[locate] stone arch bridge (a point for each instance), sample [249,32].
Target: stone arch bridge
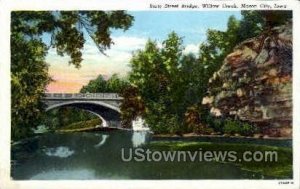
[105,105]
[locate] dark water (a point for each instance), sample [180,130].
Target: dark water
[98,156]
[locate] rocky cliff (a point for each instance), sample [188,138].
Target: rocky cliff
[255,83]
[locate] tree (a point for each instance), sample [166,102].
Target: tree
[97,85]
[156,74]
[29,71]
[220,43]
[172,85]
[194,81]
[28,78]
[114,84]
[132,105]
[251,25]
[254,23]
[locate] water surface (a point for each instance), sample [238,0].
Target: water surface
[90,155]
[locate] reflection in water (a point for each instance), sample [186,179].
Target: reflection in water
[139,138]
[61,152]
[103,140]
[81,157]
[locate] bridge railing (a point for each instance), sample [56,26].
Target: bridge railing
[82,96]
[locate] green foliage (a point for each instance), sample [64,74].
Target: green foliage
[171,85]
[164,123]
[165,83]
[157,75]
[218,45]
[193,83]
[67,28]
[231,127]
[64,116]
[82,124]
[248,130]
[132,105]
[254,23]
[114,84]
[170,82]
[218,125]
[97,85]
[28,78]
[29,71]
[251,25]
[237,127]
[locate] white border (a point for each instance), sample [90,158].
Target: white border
[6,183]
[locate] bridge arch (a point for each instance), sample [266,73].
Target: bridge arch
[61,104]
[109,114]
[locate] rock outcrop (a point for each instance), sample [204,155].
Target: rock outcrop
[255,83]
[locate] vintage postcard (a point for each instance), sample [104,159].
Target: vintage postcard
[143,94]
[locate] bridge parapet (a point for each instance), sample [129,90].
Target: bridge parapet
[99,96]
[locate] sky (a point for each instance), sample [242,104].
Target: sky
[154,25]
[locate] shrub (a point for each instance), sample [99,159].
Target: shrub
[238,127]
[231,126]
[208,119]
[175,126]
[218,125]
[247,129]
[84,124]
[158,123]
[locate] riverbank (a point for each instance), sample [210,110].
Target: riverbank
[87,129]
[191,135]
[270,141]
[280,169]
[82,125]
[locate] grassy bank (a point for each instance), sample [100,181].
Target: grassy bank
[280,169]
[78,126]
